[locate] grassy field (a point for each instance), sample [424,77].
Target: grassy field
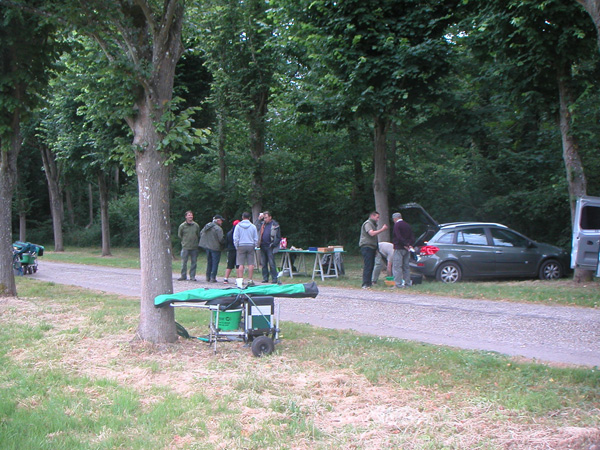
[73,376]
[561,292]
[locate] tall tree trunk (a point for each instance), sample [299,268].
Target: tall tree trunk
[90,205]
[221,145]
[156,324]
[116,182]
[593,9]
[393,158]
[22,205]
[380,184]
[104,223]
[22,227]
[9,150]
[256,122]
[56,201]
[69,202]
[358,180]
[576,180]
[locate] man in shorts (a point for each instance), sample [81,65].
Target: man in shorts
[245,239]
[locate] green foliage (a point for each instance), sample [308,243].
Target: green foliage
[124,220]
[178,133]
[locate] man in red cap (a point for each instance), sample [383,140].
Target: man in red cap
[231,251]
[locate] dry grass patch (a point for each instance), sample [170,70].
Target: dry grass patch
[281,401]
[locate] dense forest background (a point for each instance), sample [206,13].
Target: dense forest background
[277,106]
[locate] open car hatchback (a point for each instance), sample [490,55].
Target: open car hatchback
[453,251]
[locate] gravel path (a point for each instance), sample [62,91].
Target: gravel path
[559,334]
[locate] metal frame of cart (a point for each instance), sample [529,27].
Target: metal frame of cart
[259,322]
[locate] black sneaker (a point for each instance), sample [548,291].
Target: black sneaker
[251,283]
[181,279]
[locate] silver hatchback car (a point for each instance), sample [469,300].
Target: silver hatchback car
[453,251]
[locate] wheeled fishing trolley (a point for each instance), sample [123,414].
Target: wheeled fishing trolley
[25,257]
[249,315]
[253,320]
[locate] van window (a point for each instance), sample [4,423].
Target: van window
[590,218]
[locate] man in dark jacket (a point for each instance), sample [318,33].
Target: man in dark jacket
[269,236]
[403,241]
[231,257]
[212,240]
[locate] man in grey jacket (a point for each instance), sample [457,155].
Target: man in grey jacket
[245,239]
[212,240]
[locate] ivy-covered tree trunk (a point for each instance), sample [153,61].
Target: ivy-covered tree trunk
[380,184]
[56,202]
[104,221]
[576,180]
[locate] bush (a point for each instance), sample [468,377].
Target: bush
[124,221]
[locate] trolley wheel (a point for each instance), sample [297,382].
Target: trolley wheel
[262,345]
[34,269]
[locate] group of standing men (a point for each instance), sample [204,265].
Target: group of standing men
[371,249]
[241,242]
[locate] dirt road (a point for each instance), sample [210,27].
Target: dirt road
[558,334]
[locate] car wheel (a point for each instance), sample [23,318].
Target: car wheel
[551,270]
[449,273]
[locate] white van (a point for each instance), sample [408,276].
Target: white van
[586,235]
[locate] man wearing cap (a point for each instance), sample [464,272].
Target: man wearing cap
[212,240]
[189,233]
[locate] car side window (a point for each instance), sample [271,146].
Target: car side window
[506,238]
[446,238]
[471,236]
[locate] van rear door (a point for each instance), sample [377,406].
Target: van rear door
[586,234]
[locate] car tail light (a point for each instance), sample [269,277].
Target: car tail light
[429,250]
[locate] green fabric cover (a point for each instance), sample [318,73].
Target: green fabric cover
[273,290]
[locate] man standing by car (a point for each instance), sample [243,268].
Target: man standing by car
[189,233]
[269,236]
[368,246]
[212,240]
[403,240]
